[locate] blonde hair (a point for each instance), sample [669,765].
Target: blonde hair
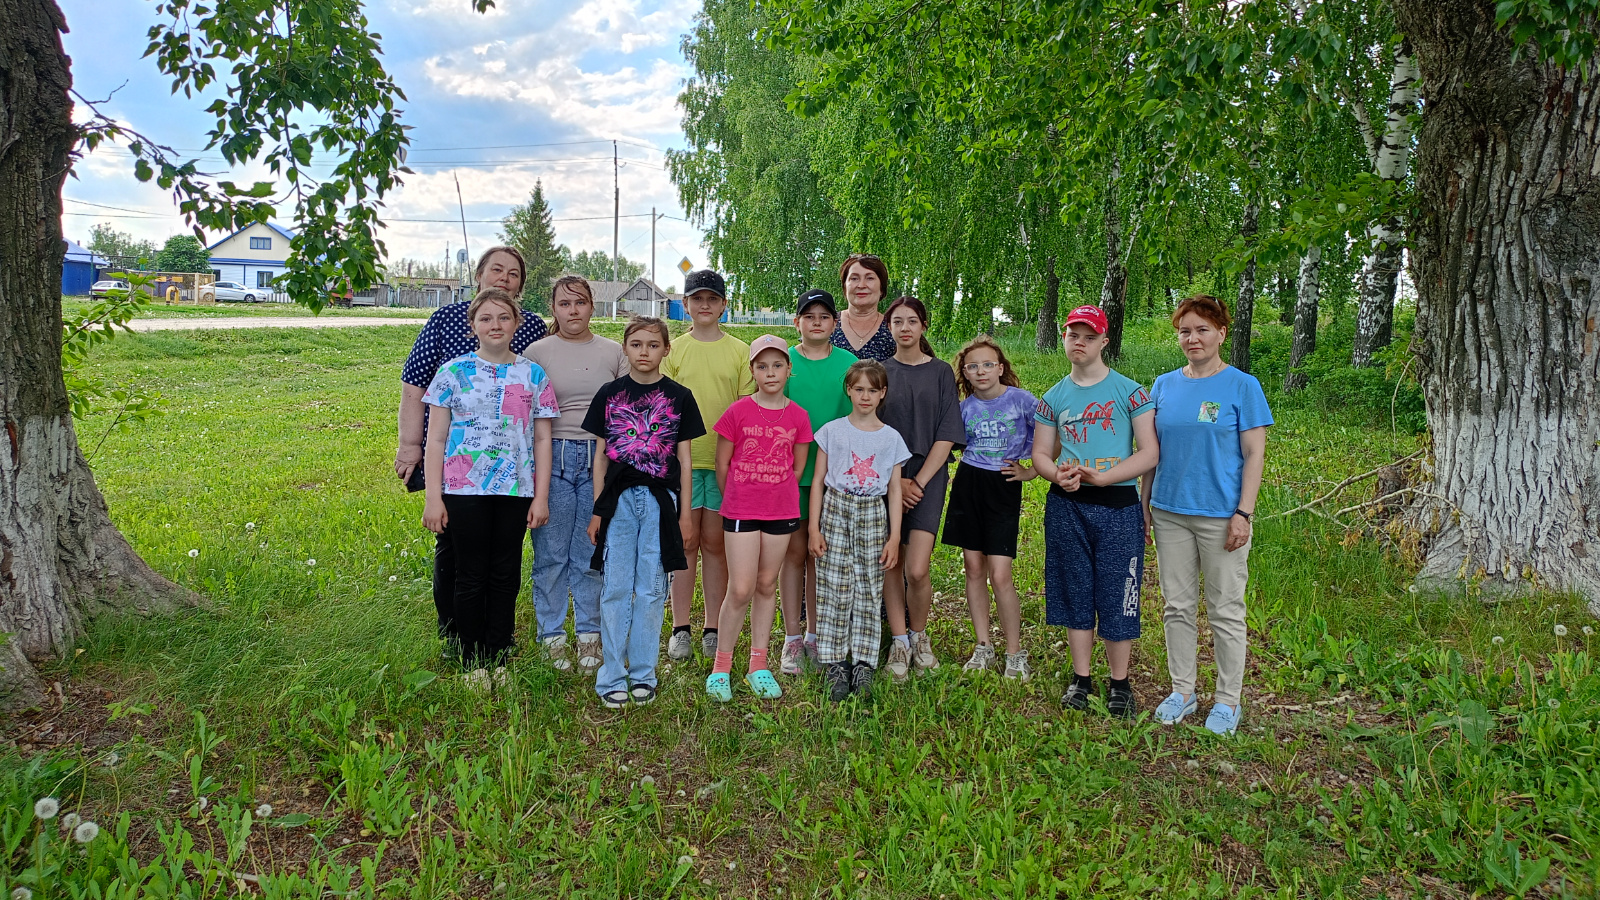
[494,295]
[1008,375]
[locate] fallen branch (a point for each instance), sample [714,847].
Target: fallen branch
[1311,506]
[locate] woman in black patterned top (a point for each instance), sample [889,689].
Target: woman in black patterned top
[862,329]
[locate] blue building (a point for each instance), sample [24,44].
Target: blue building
[80,270]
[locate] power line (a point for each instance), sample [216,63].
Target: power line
[156,214]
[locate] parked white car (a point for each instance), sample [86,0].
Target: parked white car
[229,292]
[102,288]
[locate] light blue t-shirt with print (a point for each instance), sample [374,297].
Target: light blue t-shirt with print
[998,430]
[1198,422]
[1094,423]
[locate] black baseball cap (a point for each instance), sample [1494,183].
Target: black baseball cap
[813,297]
[705,280]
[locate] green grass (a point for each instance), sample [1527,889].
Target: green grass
[1391,746]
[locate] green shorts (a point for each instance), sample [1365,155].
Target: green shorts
[706,494]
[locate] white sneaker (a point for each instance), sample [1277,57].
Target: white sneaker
[899,664]
[589,652]
[983,659]
[555,647]
[794,654]
[1017,667]
[922,653]
[680,645]
[708,645]
[501,677]
[478,680]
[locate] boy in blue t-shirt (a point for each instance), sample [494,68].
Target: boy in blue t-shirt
[1086,426]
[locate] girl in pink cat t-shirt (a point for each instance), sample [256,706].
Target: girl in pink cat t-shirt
[761,450]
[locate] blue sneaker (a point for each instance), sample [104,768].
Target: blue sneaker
[1174,708]
[763,684]
[1223,720]
[719,687]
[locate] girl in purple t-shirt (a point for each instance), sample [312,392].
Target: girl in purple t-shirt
[986,496]
[761,450]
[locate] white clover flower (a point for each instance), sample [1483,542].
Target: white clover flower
[264,810]
[311,562]
[85,832]
[70,821]
[193,553]
[249,526]
[46,807]
[22,893]
[1497,640]
[1561,630]
[394,578]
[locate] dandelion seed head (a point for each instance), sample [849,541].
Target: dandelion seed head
[264,810]
[1561,630]
[394,578]
[404,553]
[46,807]
[193,553]
[387,546]
[249,526]
[1497,640]
[22,893]
[1588,630]
[311,562]
[85,832]
[203,802]
[70,821]
[686,860]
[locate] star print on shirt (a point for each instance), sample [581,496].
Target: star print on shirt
[861,470]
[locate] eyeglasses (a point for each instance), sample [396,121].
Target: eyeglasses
[975,368]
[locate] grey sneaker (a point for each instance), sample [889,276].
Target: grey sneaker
[589,652]
[922,653]
[680,645]
[1017,667]
[794,654]
[556,648]
[899,664]
[838,681]
[708,644]
[983,659]
[861,681]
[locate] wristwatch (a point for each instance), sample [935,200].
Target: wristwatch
[1240,512]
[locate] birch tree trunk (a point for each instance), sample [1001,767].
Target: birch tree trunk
[61,560]
[1244,310]
[1114,290]
[1305,318]
[1506,259]
[1046,337]
[1380,268]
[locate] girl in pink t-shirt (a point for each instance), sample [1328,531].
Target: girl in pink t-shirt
[761,450]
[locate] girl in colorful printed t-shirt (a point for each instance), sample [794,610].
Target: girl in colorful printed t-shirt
[986,496]
[761,448]
[855,534]
[488,474]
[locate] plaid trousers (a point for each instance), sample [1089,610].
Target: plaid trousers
[849,579]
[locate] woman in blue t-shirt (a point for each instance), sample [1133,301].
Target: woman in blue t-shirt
[1211,427]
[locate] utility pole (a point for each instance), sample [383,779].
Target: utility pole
[616,213]
[653,245]
[463,207]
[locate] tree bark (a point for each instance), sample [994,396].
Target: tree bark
[1380,269]
[1046,338]
[1506,259]
[62,562]
[1244,310]
[1305,318]
[1114,290]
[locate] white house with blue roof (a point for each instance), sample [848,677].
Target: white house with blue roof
[252,256]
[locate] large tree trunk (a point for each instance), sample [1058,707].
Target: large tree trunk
[1305,318]
[1506,259]
[1380,269]
[1244,310]
[61,559]
[1046,338]
[1114,290]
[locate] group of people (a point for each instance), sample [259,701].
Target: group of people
[815,477]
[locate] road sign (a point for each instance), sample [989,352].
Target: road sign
[684,265]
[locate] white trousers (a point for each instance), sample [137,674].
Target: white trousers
[1186,548]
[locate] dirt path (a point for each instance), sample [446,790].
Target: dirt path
[266,322]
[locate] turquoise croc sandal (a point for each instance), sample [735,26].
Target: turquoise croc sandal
[719,687]
[763,684]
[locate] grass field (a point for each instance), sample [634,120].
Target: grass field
[1394,743]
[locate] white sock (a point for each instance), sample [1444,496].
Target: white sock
[903,640]
[793,638]
[912,635]
[811,637]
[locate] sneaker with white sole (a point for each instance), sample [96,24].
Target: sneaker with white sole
[708,644]
[922,653]
[983,659]
[1173,709]
[478,679]
[1223,720]
[794,655]
[1017,668]
[643,694]
[680,645]
[555,647]
[615,699]
[899,664]
[589,658]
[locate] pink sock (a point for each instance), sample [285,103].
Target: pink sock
[724,663]
[758,658]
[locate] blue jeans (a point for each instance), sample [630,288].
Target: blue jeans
[633,601]
[561,549]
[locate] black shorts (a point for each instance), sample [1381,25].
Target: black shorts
[765,526]
[985,509]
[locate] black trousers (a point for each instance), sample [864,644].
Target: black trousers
[484,538]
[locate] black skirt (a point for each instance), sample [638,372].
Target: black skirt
[984,512]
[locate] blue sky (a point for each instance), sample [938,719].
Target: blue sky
[531,72]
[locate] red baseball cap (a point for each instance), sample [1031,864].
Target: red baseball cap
[1092,316]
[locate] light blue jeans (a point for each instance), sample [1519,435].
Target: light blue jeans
[561,549]
[633,601]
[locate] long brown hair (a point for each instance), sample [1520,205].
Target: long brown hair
[920,311]
[870,263]
[575,283]
[1008,375]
